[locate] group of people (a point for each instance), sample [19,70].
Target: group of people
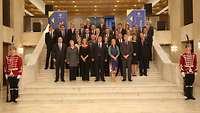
[99,51]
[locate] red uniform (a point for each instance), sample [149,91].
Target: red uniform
[14,66]
[188,63]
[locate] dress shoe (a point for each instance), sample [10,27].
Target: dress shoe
[129,80]
[62,80]
[96,80]
[124,80]
[103,80]
[56,81]
[52,68]
[45,68]
[14,101]
[192,98]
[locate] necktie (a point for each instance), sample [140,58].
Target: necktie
[60,47]
[51,35]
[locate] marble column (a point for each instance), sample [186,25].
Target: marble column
[176,22]
[17,17]
[1,46]
[196,33]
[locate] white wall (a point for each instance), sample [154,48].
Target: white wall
[163,37]
[31,38]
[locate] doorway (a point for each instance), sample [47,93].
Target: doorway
[5,53]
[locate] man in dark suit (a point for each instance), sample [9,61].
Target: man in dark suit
[92,30]
[63,33]
[121,29]
[49,40]
[59,57]
[143,53]
[108,34]
[102,25]
[71,32]
[87,34]
[81,30]
[99,56]
[126,49]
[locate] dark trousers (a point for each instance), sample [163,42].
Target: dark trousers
[73,73]
[99,62]
[126,64]
[60,67]
[143,66]
[188,84]
[13,81]
[84,70]
[120,67]
[49,50]
[106,68]
[143,71]
[92,69]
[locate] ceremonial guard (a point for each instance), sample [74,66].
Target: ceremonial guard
[188,65]
[13,72]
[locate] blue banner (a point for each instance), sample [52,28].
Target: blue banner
[136,17]
[56,18]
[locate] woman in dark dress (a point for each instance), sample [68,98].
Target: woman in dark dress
[84,60]
[135,56]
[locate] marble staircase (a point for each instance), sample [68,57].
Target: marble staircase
[142,88]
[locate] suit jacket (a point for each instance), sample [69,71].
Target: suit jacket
[71,34]
[81,32]
[143,50]
[126,49]
[123,31]
[59,55]
[49,40]
[65,37]
[99,52]
[72,56]
[102,28]
[84,36]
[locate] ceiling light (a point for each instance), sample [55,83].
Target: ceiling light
[135,5]
[75,6]
[114,9]
[73,1]
[95,6]
[118,1]
[95,9]
[77,9]
[115,5]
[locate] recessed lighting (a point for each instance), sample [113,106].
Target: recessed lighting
[77,9]
[118,1]
[73,1]
[75,6]
[135,5]
[95,6]
[95,9]
[114,9]
[55,6]
[115,5]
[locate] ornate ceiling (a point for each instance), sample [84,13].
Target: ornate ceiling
[95,7]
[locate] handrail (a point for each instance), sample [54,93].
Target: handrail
[163,55]
[169,71]
[38,49]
